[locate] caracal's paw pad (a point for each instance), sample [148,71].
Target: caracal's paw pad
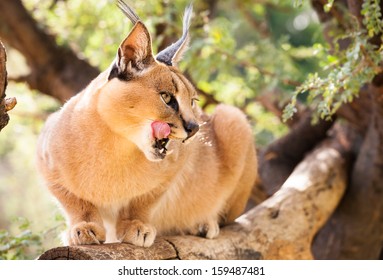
[86,233]
[136,232]
[209,230]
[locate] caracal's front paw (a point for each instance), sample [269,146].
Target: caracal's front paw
[85,233]
[136,232]
[209,230]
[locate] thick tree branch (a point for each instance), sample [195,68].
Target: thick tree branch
[55,70]
[282,227]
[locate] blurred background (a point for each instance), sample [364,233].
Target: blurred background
[251,54]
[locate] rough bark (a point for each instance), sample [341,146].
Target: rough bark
[6,104]
[55,70]
[282,227]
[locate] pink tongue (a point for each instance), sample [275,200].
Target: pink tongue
[160,129]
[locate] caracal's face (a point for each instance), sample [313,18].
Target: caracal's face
[145,98]
[160,94]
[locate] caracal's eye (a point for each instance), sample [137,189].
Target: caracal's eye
[169,100]
[166,97]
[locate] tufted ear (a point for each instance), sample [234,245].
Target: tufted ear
[134,54]
[173,54]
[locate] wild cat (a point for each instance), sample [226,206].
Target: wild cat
[132,155]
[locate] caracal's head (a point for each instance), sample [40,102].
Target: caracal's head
[146,99]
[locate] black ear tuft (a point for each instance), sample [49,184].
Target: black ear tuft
[173,54]
[128,11]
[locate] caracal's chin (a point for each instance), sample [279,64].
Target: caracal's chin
[158,149]
[153,149]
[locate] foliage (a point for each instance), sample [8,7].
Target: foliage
[372,17]
[237,59]
[350,70]
[16,247]
[25,242]
[345,69]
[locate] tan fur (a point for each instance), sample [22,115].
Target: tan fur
[95,155]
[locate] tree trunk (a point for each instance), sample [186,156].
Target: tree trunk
[356,229]
[6,104]
[282,227]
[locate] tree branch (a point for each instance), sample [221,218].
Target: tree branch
[55,70]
